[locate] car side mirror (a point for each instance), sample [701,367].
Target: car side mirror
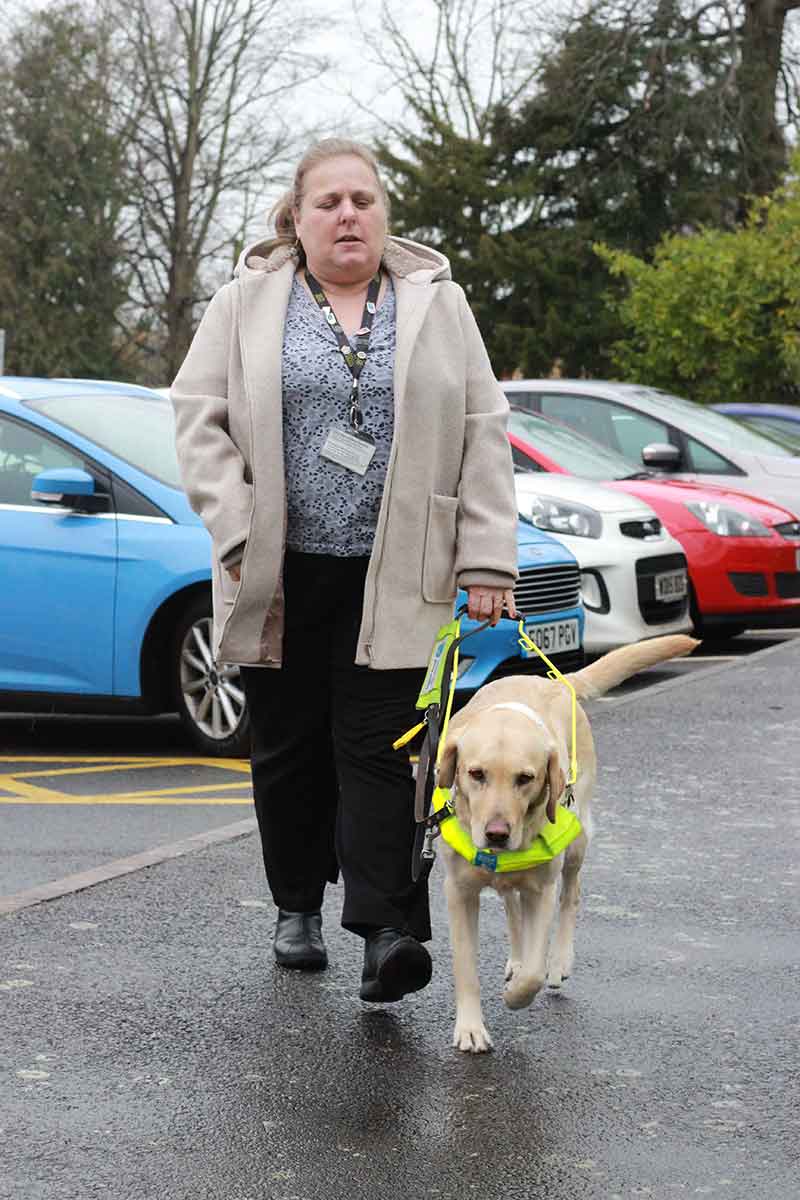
[61,485]
[662,456]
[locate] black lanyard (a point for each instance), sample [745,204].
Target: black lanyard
[355,353]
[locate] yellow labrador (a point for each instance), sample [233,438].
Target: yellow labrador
[506,756]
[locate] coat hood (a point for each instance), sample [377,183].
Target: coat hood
[410,260]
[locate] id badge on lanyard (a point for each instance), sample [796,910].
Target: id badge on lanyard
[351,448]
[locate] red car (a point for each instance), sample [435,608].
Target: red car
[743,553]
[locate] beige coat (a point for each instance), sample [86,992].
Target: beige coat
[448,511]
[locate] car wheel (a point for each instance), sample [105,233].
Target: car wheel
[210,698]
[708,630]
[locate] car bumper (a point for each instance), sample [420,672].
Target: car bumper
[624,576]
[752,579]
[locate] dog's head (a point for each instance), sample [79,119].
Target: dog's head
[507,774]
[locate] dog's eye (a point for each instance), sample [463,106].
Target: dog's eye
[477,774]
[523,779]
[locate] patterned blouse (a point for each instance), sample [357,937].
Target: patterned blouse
[332,510]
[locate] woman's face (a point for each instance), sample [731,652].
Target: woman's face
[342,220]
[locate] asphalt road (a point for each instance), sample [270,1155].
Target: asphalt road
[152,1050]
[77,792]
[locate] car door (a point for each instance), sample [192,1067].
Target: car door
[59,569]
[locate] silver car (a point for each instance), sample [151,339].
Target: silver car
[667,433]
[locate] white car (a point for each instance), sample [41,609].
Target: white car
[634,582]
[676,436]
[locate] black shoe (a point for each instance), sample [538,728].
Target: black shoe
[394,964]
[298,941]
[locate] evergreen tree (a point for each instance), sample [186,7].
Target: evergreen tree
[640,121]
[716,315]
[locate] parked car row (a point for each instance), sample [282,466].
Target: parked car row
[667,433]
[742,553]
[741,538]
[644,527]
[106,604]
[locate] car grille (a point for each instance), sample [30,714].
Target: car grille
[641,529]
[787,584]
[658,612]
[749,583]
[547,589]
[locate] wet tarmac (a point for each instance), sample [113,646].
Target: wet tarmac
[152,1050]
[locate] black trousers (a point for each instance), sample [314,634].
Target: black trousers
[330,792]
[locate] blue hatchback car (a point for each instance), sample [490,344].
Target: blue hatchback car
[105,603]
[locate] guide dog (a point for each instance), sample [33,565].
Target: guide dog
[506,758]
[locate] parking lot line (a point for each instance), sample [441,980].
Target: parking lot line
[193,796]
[127,764]
[97,758]
[124,866]
[16,787]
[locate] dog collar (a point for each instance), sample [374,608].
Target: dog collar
[553,837]
[514,706]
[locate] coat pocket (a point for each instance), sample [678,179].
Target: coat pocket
[225,588]
[438,565]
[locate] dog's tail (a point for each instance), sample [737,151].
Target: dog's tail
[613,668]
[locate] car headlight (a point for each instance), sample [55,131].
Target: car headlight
[727,522]
[564,516]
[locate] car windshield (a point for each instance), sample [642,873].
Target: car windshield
[140,429]
[718,429]
[787,433]
[570,450]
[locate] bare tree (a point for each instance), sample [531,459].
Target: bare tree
[748,71]
[765,71]
[207,86]
[477,55]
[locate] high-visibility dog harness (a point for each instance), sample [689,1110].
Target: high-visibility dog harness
[551,839]
[436,806]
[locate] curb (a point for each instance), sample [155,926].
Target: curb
[124,866]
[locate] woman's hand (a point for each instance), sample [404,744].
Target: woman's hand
[487,603]
[235,572]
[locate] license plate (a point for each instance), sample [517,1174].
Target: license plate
[671,585]
[797,559]
[553,637]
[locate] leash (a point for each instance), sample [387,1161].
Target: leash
[528,644]
[443,666]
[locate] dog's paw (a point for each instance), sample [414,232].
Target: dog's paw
[521,989]
[558,972]
[472,1037]
[511,966]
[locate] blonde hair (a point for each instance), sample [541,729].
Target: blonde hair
[282,214]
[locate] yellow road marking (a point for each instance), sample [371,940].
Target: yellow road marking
[191,788]
[29,790]
[12,758]
[23,792]
[136,798]
[229,764]
[118,759]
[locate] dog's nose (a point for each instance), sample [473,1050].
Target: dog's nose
[497,833]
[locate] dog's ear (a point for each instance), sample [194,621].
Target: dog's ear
[447,763]
[555,784]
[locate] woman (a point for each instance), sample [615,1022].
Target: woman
[342,436]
